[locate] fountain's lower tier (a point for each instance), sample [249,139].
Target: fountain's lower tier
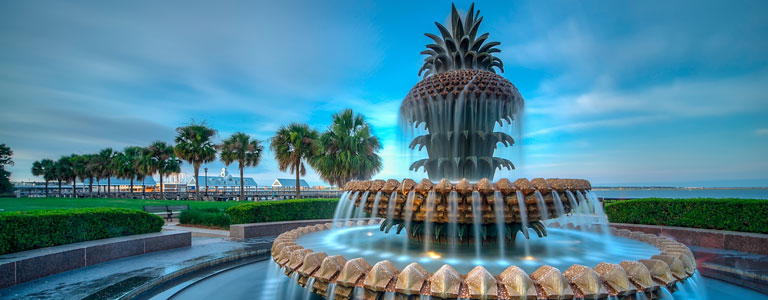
[334,261]
[629,269]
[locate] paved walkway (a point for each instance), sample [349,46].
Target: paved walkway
[111,279]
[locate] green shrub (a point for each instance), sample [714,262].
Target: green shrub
[285,210]
[216,217]
[32,229]
[746,215]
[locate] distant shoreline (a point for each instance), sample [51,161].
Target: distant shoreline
[598,188]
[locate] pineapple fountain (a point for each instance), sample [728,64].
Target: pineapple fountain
[454,235]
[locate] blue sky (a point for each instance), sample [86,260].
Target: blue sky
[617,92]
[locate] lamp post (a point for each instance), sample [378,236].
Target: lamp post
[206,181]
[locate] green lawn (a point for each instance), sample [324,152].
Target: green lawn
[15,204]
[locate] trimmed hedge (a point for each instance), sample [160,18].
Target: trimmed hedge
[216,217]
[284,210]
[746,215]
[32,229]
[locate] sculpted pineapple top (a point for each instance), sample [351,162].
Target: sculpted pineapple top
[459,103]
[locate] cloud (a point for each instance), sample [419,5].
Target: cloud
[761,131]
[571,127]
[579,48]
[685,97]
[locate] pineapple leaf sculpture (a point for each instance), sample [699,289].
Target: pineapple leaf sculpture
[459,102]
[460,48]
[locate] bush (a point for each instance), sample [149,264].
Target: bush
[32,229]
[216,217]
[285,210]
[746,215]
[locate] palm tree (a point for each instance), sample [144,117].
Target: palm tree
[127,164]
[193,144]
[163,161]
[79,170]
[291,145]
[107,157]
[46,169]
[143,169]
[64,171]
[348,150]
[60,171]
[241,148]
[94,168]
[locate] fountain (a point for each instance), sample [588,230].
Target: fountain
[455,235]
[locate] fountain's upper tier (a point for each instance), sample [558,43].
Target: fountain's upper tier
[446,202]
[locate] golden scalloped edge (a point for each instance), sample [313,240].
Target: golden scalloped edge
[411,199]
[675,263]
[465,187]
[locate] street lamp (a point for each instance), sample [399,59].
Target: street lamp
[206,181]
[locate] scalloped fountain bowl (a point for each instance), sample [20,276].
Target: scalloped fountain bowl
[573,255]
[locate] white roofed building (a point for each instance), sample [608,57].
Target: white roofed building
[223,183]
[289,183]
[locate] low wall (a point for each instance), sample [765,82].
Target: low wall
[19,267]
[728,240]
[252,230]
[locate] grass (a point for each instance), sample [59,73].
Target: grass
[18,204]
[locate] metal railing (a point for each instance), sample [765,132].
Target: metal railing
[266,194]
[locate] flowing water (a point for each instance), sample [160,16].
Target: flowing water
[498,208]
[375,208]
[523,222]
[559,208]
[431,197]
[453,215]
[360,212]
[408,217]
[308,288]
[541,205]
[477,222]
[331,291]
[341,207]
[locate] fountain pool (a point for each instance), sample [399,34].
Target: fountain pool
[560,249]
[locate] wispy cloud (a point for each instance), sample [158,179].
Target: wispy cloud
[572,127]
[761,131]
[680,98]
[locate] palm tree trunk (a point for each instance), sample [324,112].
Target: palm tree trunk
[131,187]
[74,187]
[298,164]
[241,182]
[46,189]
[109,185]
[143,188]
[90,187]
[59,188]
[98,185]
[197,181]
[162,192]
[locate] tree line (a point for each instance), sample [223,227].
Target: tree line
[346,151]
